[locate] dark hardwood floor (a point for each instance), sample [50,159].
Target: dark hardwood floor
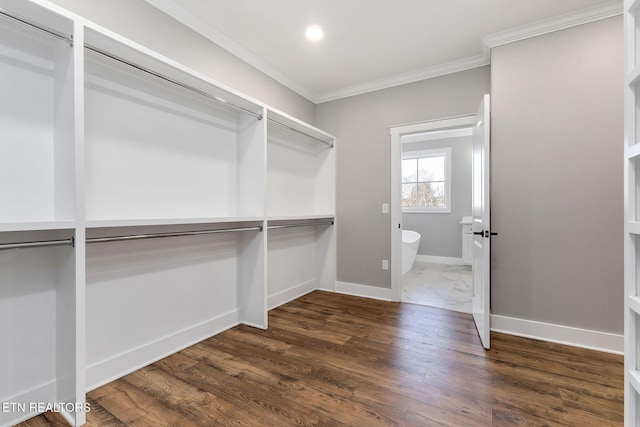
[330,359]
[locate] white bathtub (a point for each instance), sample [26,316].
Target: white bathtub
[410,243]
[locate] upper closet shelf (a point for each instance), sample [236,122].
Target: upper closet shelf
[37,225]
[299,217]
[632,5]
[168,221]
[286,121]
[38,18]
[632,77]
[105,43]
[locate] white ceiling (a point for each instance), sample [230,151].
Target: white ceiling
[373,44]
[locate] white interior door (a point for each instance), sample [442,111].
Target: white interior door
[481,263]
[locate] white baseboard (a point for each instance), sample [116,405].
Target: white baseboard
[283,297]
[576,337]
[439,259]
[366,291]
[19,410]
[110,369]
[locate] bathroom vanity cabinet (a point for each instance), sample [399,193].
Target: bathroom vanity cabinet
[467,240]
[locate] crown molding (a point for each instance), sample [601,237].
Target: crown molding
[200,26]
[402,79]
[561,22]
[538,28]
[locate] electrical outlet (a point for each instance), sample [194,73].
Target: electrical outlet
[385,264]
[385,208]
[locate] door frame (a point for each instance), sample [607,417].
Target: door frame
[397,132]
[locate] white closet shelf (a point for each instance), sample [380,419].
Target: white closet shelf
[283,119]
[634,304]
[633,151]
[300,217]
[37,225]
[633,227]
[168,221]
[633,5]
[632,77]
[634,380]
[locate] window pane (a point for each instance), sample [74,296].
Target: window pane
[431,169]
[409,195]
[431,195]
[410,170]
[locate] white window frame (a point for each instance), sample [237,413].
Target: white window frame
[433,152]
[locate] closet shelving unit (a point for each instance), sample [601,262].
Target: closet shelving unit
[632,213]
[145,207]
[300,209]
[41,351]
[174,207]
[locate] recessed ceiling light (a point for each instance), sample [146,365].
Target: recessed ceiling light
[314,32]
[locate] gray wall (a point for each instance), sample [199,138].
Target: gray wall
[557,150]
[441,232]
[144,24]
[361,124]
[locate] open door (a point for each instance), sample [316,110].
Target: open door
[481,263]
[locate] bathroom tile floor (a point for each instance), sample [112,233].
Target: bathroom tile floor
[438,285]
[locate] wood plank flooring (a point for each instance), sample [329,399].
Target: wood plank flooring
[330,359]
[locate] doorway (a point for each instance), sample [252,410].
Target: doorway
[480,216]
[434,200]
[436,136]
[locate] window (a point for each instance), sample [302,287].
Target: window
[426,181]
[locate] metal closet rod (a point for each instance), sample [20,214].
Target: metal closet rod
[64,37]
[330,144]
[175,82]
[174,234]
[39,244]
[300,224]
